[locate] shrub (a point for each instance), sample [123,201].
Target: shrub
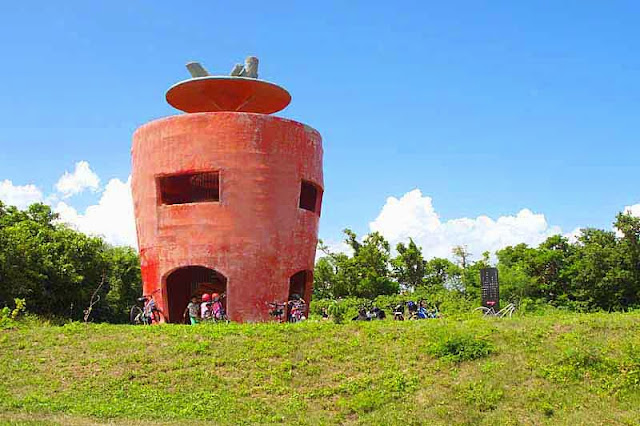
[337,311]
[21,307]
[350,305]
[8,316]
[461,347]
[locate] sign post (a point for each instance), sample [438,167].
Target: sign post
[490,288]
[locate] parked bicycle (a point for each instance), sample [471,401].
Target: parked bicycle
[296,311]
[215,311]
[147,314]
[296,308]
[489,311]
[412,308]
[369,312]
[398,312]
[276,310]
[424,313]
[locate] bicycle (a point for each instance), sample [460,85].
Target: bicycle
[507,311]
[296,313]
[147,314]
[221,314]
[424,313]
[216,312]
[277,311]
[398,312]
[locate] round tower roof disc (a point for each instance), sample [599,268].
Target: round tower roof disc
[228,93]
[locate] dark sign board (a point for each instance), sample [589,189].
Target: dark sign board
[490,288]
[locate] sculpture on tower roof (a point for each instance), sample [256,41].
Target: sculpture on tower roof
[249,69]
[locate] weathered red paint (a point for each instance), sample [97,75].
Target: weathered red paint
[256,235]
[237,94]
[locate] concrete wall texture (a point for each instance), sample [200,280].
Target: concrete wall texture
[256,237]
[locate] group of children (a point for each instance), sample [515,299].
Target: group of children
[211,308]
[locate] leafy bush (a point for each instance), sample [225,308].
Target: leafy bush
[337,311]
[21,307]
[349,305]
[9,316]
[449,302]
[5,318]
[461,347]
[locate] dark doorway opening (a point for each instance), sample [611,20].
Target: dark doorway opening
[191,281]
[300,285]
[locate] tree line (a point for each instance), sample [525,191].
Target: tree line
[600,270]
[57,269]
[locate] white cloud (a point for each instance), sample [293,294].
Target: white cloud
[573,235]
[413,215]
[634,210]
[20,196]
[74,183]
[112,218]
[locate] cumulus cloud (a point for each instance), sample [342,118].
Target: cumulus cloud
[573,235]
[74,183]
[413,215]
[634,210]
[112,218]
[20,196]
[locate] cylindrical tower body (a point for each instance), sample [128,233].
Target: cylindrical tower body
[227,202]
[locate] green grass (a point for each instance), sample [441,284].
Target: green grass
[563,369]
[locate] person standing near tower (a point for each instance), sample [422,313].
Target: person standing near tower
[193,310]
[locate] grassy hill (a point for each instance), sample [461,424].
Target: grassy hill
[561,369]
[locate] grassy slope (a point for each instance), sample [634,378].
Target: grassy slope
[570,369]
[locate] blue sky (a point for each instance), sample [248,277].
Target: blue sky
[486,107]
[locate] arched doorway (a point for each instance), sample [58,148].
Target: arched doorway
[300,283]
[191,281]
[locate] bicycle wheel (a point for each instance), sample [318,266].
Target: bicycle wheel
[156,316]
[135,315]
[507,311]
[485,311]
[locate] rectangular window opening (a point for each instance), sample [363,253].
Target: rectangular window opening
[308,196]
[200,187]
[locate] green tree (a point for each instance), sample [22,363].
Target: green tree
[324,278]
[409,265]
[371,262]
[600,280]
[629,227]
[367,273]
[442,273]
[124,283]
[540,273]
[56,269]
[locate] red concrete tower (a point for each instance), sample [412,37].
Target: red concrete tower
[227,198]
